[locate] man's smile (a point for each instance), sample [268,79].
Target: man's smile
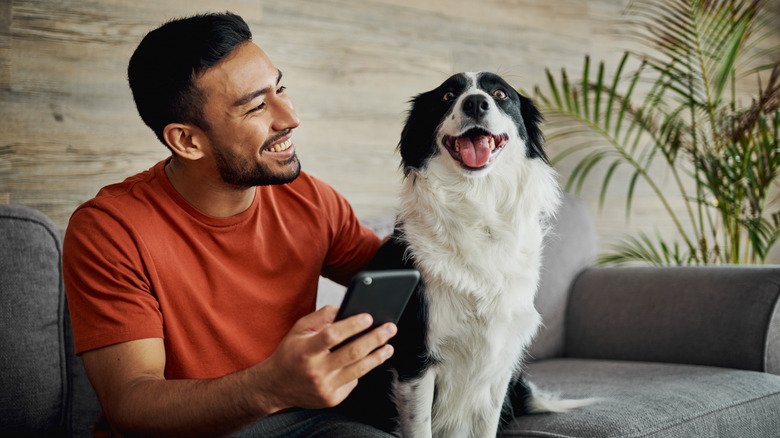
[280,144]
[279,147]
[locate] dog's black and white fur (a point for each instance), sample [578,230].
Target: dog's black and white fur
[477,196]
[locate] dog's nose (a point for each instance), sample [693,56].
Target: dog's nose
[476,106]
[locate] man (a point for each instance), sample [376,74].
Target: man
[192,285]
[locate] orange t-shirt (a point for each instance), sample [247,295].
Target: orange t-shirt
[140,262]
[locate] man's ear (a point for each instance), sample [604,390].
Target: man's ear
[186,141]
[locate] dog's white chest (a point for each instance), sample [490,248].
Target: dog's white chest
[486,317]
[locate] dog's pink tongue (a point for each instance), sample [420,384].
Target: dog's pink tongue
[475,152]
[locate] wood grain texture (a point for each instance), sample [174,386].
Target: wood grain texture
[68,125]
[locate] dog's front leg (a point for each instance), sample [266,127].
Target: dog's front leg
[490,422]
[414,400]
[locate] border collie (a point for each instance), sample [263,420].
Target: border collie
[477,196]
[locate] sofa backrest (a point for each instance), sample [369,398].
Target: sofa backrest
[570,247]
[33,365]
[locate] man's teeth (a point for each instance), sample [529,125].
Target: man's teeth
[281,146]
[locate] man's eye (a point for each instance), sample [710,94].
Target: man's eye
[281,89]
[257,108]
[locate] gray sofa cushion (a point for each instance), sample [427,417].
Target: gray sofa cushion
[34,378]
[642,399]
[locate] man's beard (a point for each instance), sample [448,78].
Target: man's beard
[240,172]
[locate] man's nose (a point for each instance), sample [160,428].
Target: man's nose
[285,116]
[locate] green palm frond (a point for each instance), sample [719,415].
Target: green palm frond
[686,119]
[627,134]
[643,248]
[701,40]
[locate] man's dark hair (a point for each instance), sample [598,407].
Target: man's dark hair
[163,69]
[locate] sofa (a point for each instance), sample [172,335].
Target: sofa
[668,351]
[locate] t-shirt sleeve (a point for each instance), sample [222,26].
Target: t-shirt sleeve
[352,245]
[109,293]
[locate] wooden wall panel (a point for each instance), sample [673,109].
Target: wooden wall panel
[68,125]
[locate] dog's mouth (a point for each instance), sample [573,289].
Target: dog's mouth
[475,147]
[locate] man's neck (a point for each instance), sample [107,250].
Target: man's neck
[212,197]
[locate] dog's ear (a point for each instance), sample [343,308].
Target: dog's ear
[532,118]
[418,140]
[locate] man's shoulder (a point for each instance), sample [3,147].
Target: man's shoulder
[126,187]
[130,197]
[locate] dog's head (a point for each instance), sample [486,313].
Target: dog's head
[469,122]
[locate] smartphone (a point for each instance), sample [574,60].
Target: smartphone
[382,294]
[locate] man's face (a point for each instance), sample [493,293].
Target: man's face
[251,119]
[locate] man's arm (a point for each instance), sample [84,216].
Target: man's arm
[303,372]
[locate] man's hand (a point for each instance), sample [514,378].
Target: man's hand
[307,374]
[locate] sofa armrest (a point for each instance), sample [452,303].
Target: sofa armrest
[724,316]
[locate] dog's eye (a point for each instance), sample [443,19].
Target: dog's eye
[499,93]
[448,96]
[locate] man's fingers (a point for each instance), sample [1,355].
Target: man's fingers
[364,350]
[356,370]
[365,344]
[346,379]
[340,331]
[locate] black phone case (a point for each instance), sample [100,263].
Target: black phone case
[383,294]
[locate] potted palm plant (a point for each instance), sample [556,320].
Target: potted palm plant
[674,104]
